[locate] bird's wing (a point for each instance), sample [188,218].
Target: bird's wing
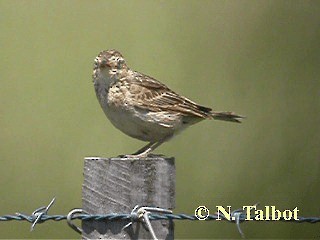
[148,93]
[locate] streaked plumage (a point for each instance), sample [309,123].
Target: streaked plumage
[142,107]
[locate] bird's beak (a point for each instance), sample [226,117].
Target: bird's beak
[104,63]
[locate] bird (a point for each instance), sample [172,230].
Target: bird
[143,107]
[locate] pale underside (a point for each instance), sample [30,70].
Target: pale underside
[148,110]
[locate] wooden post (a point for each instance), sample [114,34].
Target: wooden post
[117,185]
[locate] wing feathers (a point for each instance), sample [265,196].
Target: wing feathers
[155,96]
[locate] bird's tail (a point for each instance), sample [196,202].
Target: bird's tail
[227,116]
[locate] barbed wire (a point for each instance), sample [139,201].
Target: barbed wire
[127,216]
[41,215]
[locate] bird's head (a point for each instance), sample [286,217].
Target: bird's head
[111,59]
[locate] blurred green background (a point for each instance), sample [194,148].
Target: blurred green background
[257,58]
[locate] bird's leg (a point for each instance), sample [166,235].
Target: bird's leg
[143,152]
[144,148]
[149,149]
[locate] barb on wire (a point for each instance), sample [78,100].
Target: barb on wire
[133,217]
[237,214]
[139,213]
[37,214]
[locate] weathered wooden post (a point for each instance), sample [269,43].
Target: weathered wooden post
[117,185]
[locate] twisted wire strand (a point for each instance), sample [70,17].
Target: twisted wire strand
[127,216]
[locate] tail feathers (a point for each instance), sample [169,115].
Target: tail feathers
[227,116]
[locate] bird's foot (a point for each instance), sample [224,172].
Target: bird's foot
[141,155]
[147,155]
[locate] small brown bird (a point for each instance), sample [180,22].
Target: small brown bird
[142,107]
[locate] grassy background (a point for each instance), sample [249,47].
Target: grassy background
[257,58]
